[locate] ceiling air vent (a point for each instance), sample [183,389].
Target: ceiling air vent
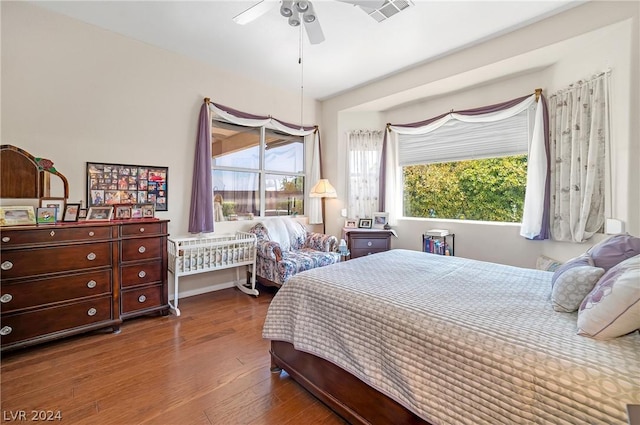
[388,9]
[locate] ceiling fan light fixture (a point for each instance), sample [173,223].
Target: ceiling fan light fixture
[294,21]
[286,9]
[309,17]
[302,6]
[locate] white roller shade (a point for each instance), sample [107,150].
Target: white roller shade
[458,140]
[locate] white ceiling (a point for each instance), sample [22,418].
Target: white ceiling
[357,49]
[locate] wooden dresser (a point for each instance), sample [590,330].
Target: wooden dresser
[64,279]
[367,242]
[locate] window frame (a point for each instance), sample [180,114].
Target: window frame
[261,171]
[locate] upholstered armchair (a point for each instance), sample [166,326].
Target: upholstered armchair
[285,247]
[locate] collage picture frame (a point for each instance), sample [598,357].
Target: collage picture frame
[114,184]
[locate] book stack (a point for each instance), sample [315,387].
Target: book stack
[435,242]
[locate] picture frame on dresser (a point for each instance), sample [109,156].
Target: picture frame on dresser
[46,215]
[364,223]
[351,223]
[380,219]
[57,203]
[148,211]
[17,215]
[101,213]
[71,212]
[122,212]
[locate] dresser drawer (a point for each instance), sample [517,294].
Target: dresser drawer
[17,296]
[54,234]
[141,249]
[37,261]
[141,229]
[143,273]
[22,326]
[370,243]
[142,299]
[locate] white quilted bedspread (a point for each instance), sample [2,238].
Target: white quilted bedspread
[458,341]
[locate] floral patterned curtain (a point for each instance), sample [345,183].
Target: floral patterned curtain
[364,150]
[579,135]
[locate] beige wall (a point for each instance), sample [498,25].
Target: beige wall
[73,93]
[550,54]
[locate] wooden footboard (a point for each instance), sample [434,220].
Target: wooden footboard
[345,394]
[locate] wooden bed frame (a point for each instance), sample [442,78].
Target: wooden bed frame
[345,394]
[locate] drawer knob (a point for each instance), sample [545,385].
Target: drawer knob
[6,298]
[369,243]
[142,299]
[52,233]
[142,274]
[142,230]
[91,284]
[6,330]
[91,256]
[92,311]
[6,239]
[142,249]
[91,234]
[6,265]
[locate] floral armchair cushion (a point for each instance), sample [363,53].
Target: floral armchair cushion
[295,250]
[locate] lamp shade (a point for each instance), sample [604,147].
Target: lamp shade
[323,189]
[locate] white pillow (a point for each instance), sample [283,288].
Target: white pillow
[612,308]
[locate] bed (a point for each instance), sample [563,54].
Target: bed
[408,337]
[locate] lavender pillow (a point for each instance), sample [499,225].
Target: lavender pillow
[612,308]
[614,250]
[583,260]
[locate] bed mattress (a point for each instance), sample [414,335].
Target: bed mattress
[457,341]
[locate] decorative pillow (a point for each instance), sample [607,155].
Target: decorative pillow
[547,264]
[612,308]
[614,250]
[583,260]
[572,286]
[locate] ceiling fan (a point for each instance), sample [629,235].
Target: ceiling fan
[302,11]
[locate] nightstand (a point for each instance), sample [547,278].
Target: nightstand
[367,242]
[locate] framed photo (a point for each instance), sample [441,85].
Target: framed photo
[364,223]
[82,214]
[17,216]
[71,212]
[148,211]
[58,203]
[380,219]
[123,212]
[113,184]
[136,211]
[350,223]
[46,215]
[102,213]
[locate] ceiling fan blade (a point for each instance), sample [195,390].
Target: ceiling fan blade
[314,32]
[254,12]
[371,4]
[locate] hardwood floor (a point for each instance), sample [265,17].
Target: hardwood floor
[208,366]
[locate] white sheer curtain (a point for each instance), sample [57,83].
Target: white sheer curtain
[364,151]
[579,133]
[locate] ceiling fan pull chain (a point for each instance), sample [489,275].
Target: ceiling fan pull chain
[301,62]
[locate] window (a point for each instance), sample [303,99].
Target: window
[364,150]
[257,171]
[467,170]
